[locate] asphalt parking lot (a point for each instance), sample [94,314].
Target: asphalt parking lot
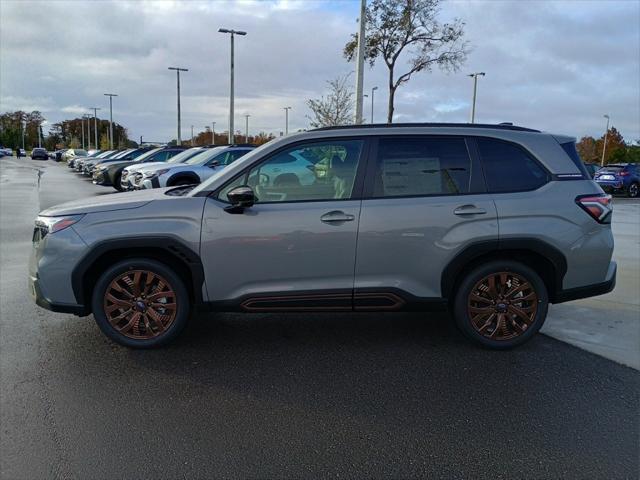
[289,396]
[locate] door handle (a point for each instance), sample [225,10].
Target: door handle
[469,210]
[337,216]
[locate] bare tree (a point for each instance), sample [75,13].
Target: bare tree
[397,26]
[336,108]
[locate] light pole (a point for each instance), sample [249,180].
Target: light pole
[213,133]
[360,64]
[246,128]
[231,99]
[81,128]
[286,120]
[373,90]
[475,89]
[192,135]
[110,95]
[95,125]
[178,70]
[606,134]
[24,127]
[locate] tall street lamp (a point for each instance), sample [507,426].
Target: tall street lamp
[373,90]
[192,135]
[286,120]
[213,133]
[246,128]
[95,125]
[475,89]
[178,70]
[81,128]
[87,117]
[231,99]
[360,64]
[606,134]
[110,95]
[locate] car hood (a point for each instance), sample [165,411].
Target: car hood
[136,167]
[106,203]
[152,167]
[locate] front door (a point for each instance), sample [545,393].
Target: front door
[295,248]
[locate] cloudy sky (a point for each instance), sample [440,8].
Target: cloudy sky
[554,65]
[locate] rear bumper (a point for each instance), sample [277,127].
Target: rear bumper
[587,291]
[610,184]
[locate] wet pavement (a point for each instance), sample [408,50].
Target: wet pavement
[289,396]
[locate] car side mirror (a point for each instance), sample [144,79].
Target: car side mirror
[240,197]
[214,164]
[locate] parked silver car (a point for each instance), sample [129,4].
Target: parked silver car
[492,222]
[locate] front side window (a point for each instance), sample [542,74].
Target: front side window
[314,171]
[417,166]
[508,168]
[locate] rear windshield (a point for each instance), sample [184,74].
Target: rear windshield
[570,149]
[613,168]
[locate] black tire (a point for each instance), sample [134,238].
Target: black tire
[634,190]
[463,303]
[116,182]
[174,282]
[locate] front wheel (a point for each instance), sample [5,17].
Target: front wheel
[634,190]
[501,304]
[140,303]
[117,183]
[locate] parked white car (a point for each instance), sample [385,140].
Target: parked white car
[74,152]
[129,173]
[193,171]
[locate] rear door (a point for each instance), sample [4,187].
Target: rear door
[424,202]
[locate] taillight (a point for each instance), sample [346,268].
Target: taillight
[598,206]
[623,174]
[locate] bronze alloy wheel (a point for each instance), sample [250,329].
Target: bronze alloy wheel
[140,304]
[502,305]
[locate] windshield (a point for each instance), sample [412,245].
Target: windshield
[80,153]
[187,154]
[147,154]
[205,156]
[233,168]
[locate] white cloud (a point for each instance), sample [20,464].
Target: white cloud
[552,65]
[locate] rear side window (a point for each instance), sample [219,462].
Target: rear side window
[508,168]
[420,166]
[570,149]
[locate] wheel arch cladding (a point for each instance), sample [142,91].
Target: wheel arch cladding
[176,177]
[544,259]
[166,250]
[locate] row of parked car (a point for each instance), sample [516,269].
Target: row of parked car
[140,168]
[147,167]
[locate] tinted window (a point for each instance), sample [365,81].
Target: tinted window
[315,171]
[508,168]
[570,149]
[422,166]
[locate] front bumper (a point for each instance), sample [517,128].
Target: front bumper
[101,178]
[587,291]
[42,301]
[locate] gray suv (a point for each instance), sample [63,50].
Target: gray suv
[492,222]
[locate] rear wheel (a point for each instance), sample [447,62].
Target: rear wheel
[140,303]
[634,190]
[501,304]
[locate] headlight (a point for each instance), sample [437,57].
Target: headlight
[157,173]
[102,168]
[55,224]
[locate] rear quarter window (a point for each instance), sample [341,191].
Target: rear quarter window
[508,168]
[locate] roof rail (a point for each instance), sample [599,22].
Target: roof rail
[500,126]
